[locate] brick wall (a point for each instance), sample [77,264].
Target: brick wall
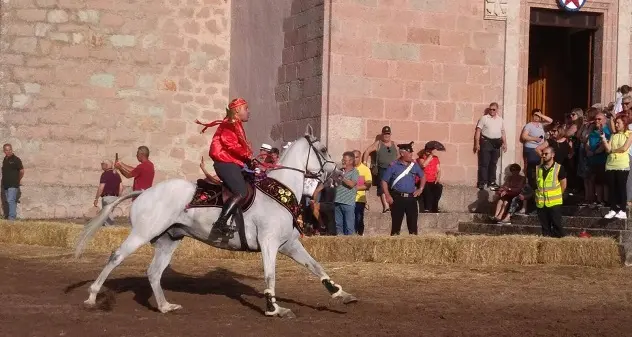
[426,68]
[299,90]
[84,79]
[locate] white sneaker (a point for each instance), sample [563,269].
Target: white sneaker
[621,215]
[610,215]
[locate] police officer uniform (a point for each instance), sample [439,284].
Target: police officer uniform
[401,189]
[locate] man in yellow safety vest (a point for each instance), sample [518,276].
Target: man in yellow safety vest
[551,183]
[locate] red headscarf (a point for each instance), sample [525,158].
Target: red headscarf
[234,104]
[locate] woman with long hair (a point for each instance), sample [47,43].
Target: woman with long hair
[559,143]
[617,166]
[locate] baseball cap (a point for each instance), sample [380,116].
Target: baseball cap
[266,147]
[386,130]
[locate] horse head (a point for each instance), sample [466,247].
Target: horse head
[309,155]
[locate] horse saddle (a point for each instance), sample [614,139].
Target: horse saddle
[208,194]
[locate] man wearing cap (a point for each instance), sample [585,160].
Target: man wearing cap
[110,188]
[400,190]
[385,154]
[273,157]
[264,151]
[230,151]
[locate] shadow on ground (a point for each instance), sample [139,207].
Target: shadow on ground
[219,281]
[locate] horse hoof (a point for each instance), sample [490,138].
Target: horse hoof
[281,312]
[348,299]
[89,304]
[286,313]
[169,307]
[345,297]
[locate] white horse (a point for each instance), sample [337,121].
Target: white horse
[159,216]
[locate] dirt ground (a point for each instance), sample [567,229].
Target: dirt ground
[43,289]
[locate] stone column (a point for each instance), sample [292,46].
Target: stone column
[510,82]
[623,43]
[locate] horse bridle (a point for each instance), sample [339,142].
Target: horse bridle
[322,161]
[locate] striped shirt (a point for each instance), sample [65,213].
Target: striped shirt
[344,194]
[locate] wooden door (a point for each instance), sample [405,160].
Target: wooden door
[536,91]
[580,62]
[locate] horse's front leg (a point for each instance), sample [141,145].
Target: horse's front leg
[269,249]
[295,250]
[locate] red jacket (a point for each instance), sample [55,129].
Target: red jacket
[229,144]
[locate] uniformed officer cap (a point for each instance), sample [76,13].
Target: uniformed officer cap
[406,147]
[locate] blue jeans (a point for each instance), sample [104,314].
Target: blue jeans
[359,217]
[345,219]
[11,195]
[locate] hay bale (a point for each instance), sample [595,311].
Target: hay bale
[478,250]
[594,252]
[496,250]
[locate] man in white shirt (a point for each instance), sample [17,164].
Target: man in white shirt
[489,138]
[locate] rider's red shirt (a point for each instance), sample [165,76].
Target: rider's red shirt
[229,144]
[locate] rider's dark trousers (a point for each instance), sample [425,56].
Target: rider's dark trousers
[231,176]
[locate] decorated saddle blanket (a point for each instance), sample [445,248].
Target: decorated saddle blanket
[208,194]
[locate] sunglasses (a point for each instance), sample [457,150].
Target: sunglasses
[492,109]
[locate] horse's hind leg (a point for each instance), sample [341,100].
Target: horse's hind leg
[128,246]
[164,247]
[295,250]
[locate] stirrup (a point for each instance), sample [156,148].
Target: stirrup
[223,227]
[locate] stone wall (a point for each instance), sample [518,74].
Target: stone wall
[82,80]
[257,43]
[426,68]
[299,90]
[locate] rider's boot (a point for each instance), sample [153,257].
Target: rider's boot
[221,225]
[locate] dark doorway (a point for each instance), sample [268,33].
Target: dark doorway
[564,60]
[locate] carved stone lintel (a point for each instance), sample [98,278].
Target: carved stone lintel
[496,9]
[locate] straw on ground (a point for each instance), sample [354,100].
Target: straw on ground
[477,250]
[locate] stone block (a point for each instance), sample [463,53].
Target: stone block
[17,29]
[59,37]
[27,45]
[91,104]
[20,101]
[146,82]
[123,40]
[102,80]
[46,3]
[157,111]
[150,41]
[57,16]
[32,88]
[395,51]
[31,15]
[77,38]
[42,29]
[89,16]
[112,20]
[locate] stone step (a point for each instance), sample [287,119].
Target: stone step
[377,223]
[577,210]
[573,222]
[513,229]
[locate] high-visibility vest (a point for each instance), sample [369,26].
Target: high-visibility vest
[549,191]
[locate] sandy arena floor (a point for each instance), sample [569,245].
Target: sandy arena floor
[42,291]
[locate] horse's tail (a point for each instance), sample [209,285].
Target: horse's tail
[97,222]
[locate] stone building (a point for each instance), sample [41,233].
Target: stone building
[82,80]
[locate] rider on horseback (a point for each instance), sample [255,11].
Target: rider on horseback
[230,151]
